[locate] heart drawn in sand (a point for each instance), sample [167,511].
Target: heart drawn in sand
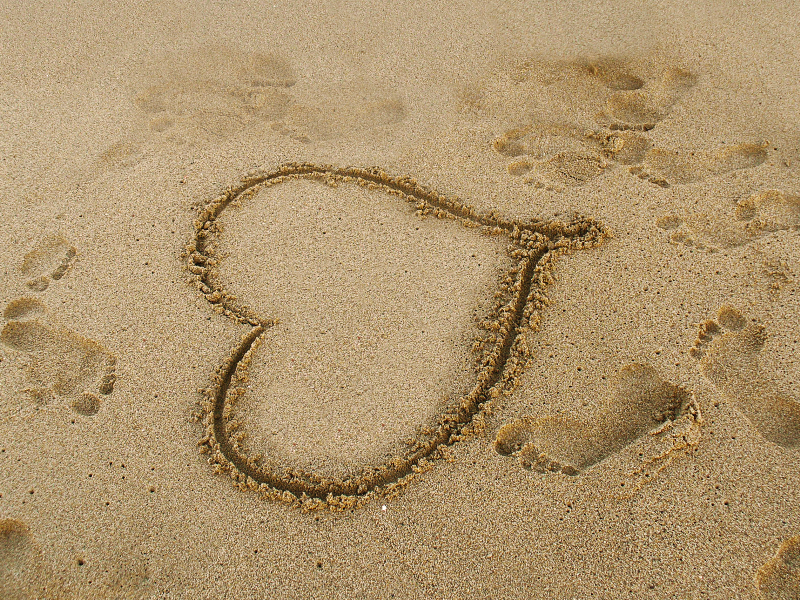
[500,350]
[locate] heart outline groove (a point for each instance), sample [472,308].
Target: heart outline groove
[502,351]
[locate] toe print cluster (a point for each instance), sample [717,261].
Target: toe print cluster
[59,362]
[500,349]
[48,261]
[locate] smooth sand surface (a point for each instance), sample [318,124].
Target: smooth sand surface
[539,343]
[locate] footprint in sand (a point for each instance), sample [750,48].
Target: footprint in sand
[61,362]
[641,108]
[642,403]
[779,577]
[558,155]
[669,167]
[49,261]
[769,211]
[560,144]
[213,93]
[340,111]
[729,348]
[23,572]
[758,215]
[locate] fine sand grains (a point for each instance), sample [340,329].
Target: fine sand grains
[23,571]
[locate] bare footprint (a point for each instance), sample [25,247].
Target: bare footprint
[211,92]
[641,109]
[642,403]
[730,361]
[563,169]
[122,154]
[542,139]
[560,105]
[23,572]
[779,577]
[617,93]
[339,111]
[49,260]
[769,211]
[215,92]
[758,215]
[561,154]
[671,167]
[62,362]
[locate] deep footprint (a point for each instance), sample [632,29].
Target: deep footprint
[779,577]
[62,362]
[642,402]
[730,361]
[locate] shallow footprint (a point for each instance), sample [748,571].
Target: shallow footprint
[213,92]
[339,111]
[23,573]
[557,103]
[760,214]
[563,169]
[704,231]
[50,259]
[565,154]
[779,577]
[629,110]
[769,211]
[62,362]
[642,402]
[552,154]
[730,361]
[542,139]
[642,109]
[668,167]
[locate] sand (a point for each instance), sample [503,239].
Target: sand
[473,300]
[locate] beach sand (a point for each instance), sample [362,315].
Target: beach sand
[363,300]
